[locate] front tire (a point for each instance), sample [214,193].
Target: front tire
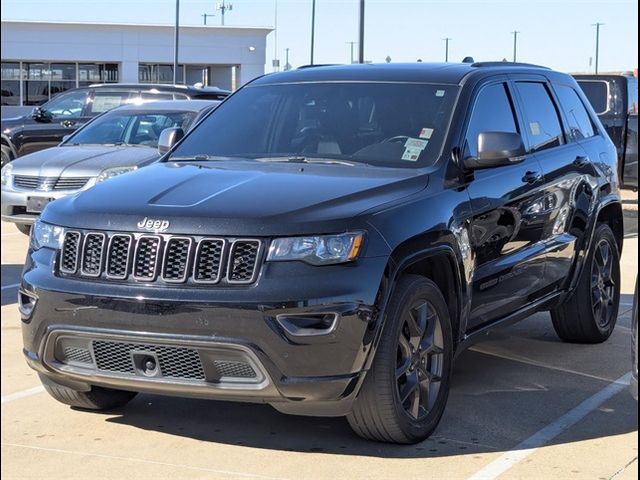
[405,392]
[96,399]
[590,314]
[7,156]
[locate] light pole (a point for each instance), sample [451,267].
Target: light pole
[287,65]
[361,34]
[597,25]
[175,43]
[515,45]
[223,7]
[313,28]
[446,48]
[352,44]
[276,62]
[205,16]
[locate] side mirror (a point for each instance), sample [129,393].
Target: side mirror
[39,114]
[496,149]
[168,138]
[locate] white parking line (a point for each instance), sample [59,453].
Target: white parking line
[11,233]
[7,287]
[548,433]
[142,460]
[22,394]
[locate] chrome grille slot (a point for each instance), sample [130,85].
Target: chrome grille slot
[118,255]
[70,183]
[93,254]
[243,260]
[174,362]
[176,259]
[208,260]
[70,252]
[145,261]
[26,181]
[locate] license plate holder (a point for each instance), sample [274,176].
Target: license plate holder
[37,204]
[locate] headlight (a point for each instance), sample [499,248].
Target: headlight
[45,235]
[113,172]
[317,250]
[5,174]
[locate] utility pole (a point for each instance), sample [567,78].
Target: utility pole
[276,62]
[205,16]
[175,43]
[313,27]
[287,65]
[597,25]
[352,45]
[223,7]
[446,48]
[515,45]
[361,34]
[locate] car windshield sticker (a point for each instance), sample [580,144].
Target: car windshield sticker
[415,143]
[535,128]
[426,133]
[411,154]
[439,93]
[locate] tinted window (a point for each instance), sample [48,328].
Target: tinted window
[598,94]
[580,125]
[541,118]
[396,125]
[492,112]
[67,105]
[132,128]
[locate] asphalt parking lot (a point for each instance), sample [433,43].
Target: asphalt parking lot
[523,405]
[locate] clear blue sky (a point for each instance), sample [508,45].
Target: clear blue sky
[558,33]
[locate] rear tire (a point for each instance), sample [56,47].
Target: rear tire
[405,392]
[96,399]
[23,228]
[590,314]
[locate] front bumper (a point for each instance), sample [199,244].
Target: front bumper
[14,203]
[314,373]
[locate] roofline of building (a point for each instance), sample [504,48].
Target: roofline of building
[142,25]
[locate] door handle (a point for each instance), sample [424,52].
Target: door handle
[581,161]
[532,177]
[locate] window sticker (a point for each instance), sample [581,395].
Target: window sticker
[104,103]
[535,128]
[411,154]
[439,93]
[416,143]
[426,133]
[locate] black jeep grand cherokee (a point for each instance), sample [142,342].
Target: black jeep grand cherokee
[326,241]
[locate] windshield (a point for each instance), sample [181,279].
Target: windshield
[382,124]
[130,128]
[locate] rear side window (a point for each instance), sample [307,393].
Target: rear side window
[492,112]
[632,92]
[541,118]
[580,124]
[597,92]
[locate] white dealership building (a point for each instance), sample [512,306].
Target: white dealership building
[41,59]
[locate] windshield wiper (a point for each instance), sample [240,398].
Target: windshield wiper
[203,157]
[193,158]
[300,159]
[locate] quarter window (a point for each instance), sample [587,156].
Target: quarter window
[580,124]
[541,118]
[492,112]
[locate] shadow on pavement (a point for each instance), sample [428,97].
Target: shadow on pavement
[494,405]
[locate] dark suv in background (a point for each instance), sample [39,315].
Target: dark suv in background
[47,124]
[327,240]
[614,98]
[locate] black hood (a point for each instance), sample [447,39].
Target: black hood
[237,198]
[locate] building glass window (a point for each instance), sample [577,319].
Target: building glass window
[89,73]
[159,73]
[10,78]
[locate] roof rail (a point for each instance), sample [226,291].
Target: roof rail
[314,65]
[505,64]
